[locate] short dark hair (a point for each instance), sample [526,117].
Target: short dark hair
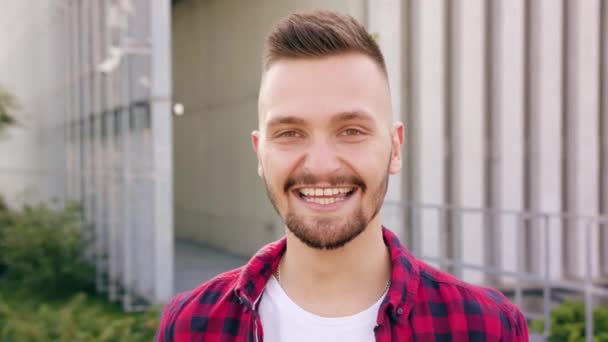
[319,33]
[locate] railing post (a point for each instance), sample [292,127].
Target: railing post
[588,284]
[547,278]
[520,244]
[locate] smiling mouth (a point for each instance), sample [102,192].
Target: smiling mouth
[325,196]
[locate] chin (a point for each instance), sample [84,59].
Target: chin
[326,234]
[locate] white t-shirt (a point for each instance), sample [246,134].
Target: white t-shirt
[283,320]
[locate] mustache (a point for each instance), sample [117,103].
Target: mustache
[309,179]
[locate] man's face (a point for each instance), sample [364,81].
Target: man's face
[326,145]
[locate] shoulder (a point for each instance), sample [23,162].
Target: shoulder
[485,311]
[186,310]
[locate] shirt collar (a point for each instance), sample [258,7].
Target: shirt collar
[405,276]
[255,274]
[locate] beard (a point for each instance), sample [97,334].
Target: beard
[331,232]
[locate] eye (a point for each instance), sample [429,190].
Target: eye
[289,134]
[352,132]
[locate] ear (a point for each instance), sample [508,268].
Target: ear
[396,144]
[255,143]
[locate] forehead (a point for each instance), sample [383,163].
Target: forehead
[317,88]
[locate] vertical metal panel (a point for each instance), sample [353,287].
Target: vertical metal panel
[119,137]
[568,129]
[75,108]
[508,125]
[111,142]
[96,141]
[603,134]
[492,197]
[531,129]
[529,169]
[82,103]
[85,109]
[453,228]
[471,120]
[448,189]
[63,60]
[123,112]
[85,113]
[75,82]
[412,154]
[160,25]
[139,31]
[69,107]
[581,166]
[144,185]
[112,136]
[430,163]
[54,98]
[587,106]
[548,109]
[143,200]
[126,224]
[63,55]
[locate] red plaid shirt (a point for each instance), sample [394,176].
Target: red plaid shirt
[422,304]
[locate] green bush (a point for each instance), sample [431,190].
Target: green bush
[46,282]
[568,323]
[81,318]
[44,249]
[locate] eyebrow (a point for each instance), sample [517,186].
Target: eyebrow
[350,116]
[286,120]
[337,118]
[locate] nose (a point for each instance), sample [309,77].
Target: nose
[321,159]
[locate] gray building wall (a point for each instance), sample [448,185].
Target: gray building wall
[32,157]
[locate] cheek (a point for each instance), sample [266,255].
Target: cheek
[277,166]
[369,160]
[371,168]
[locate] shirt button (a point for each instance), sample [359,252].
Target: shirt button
[399,311]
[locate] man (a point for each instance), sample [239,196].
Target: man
[326,145]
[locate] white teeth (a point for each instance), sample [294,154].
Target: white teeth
[324,191]
[323,201]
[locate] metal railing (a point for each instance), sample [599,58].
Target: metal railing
[521,253]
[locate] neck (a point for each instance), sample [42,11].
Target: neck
[337,282]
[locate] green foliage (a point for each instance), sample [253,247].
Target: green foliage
[568,323]
[81,318]
[46,282]
[44,250]
[8,105]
